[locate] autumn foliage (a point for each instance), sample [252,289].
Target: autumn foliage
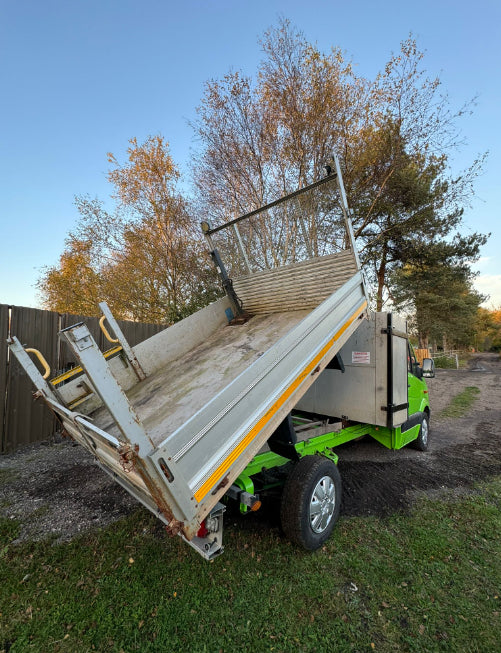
[147,259]
[259,138]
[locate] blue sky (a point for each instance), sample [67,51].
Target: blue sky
[79,78]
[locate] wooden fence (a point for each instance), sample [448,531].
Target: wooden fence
[421,354]
[23,420]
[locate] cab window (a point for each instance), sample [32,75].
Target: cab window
[412,363]
[411,359]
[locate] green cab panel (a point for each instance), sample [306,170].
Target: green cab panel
[417,393]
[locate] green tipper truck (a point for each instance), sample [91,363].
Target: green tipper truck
[255,391]
[372,387]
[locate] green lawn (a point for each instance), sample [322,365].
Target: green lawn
[428,581]
[461,403]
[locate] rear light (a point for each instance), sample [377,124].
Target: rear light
[202,531]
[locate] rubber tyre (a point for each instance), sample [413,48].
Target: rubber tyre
[311,500]
[422,440]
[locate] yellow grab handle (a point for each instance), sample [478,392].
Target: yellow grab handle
[105,330]
[42,360]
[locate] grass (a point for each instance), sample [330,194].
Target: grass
[461,403]
[445,362]
[7,476]
[428,581]
[449,362]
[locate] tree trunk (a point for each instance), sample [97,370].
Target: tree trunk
[381,274]
[423,341]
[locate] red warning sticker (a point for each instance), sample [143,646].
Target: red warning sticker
[363,357]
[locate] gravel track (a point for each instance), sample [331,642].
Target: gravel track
[55,489]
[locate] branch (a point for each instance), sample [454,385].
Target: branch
[366,220]
[395,226]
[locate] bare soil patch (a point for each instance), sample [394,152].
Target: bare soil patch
[55,489]
[462,450]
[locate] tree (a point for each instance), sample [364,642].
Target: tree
[404,188]
[146,259]
[74,285]
[405,203]
[262,138]
[438,293]
[488,329]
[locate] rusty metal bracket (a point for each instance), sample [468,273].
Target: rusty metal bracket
[128,455]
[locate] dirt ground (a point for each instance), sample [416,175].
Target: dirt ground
[56,489]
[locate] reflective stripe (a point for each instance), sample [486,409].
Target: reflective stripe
[76,370]
[228,462]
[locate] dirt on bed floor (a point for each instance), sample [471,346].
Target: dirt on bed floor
[55,489]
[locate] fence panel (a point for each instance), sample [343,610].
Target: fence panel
[4,333]
[22,420]
[421,354]
[27,420]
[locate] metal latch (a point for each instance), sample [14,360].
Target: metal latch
[80,335]
[395,332]
[394,408]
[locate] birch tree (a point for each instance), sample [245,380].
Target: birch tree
[264,136]
[146,259]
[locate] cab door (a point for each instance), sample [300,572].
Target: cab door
[417,392]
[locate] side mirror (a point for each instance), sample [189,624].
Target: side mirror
[428,368]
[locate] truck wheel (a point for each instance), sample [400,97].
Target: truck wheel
[421,442]
[311,500]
